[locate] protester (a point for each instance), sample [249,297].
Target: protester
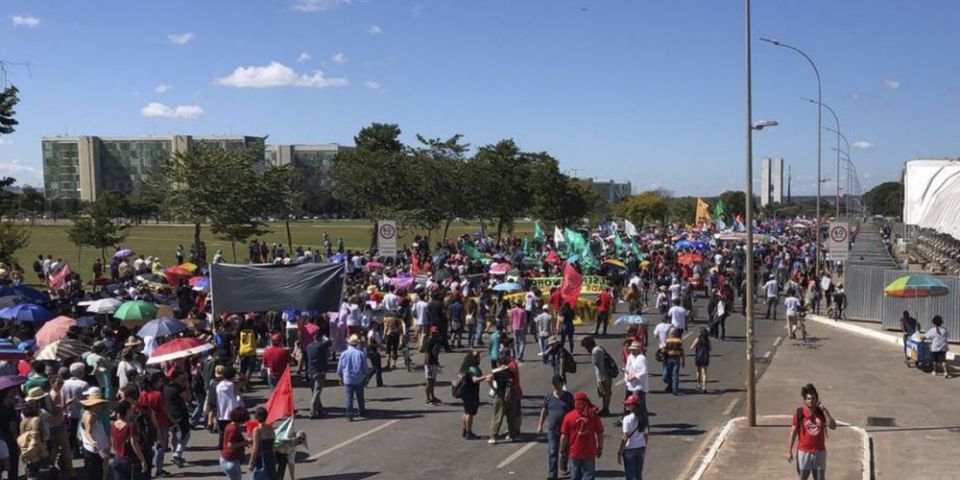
[96,442]
[809,433]
[908,326]
[556,404]
[318,353]
[471,376]
[938,337]
[581,437]
[598,358]
[505,403]
[431,365]
[543,322]
[129,460]
[701,357]
[633,443]
[233,443]
[636,377]
[263,460]
[352,369]
[673,359]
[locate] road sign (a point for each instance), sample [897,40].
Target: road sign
[387,238]
[839,241]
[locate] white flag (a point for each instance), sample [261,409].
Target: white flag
[628,228]
[557,236]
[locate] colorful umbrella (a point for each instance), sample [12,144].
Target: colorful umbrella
[54,330]
[916,286]
[121,254]
[631,320]
[8,381]
[178,348]
[152,278]
[614,262]
[374,265]
[198,280]
[689,258]
[500,268]
[62,350]
[26,312]
[104,305]
[506,287]
[161,327]
[136,311]
[188,266]
[179,270]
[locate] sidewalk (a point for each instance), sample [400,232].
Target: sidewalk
[911,417]
[873,330]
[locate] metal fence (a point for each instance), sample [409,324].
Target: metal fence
[863,285]
[866,301]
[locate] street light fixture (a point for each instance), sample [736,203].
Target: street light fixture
[837,131]
[764,124]
[816,71]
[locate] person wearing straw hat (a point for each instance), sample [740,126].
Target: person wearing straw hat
[352,369]
[93,435]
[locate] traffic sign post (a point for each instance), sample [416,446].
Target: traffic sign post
[387,238]
[839,241]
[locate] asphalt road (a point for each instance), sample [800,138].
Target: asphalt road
[403,439]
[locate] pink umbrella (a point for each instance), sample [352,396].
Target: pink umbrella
[178,348]
[374,265]
[54,330]
[500,268]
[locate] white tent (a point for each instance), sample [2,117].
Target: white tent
[931,195]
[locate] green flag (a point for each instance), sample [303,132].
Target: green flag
[617,243]
[719,211]
[526,245]
[538,235]
[471,252]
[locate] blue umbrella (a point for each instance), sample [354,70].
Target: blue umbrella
[338,258]
[506,287]
[27,294]
[161,327]
[26,312]
[86,321]
[631,320]
[684,244]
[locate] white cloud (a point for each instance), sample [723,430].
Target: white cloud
[4,142]
[339,57]
[181,38]
[25,174]
[277,75]
[318,5]
[372,85]
[374,30]
[185,112]
[862,145]
[304,56]
[891,84]
[25,21]
[162,88]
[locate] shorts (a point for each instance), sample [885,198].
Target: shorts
[938,357]
[604,387]
[812,463]
[248,364]
[430,371]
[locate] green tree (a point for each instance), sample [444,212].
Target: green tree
[379,137]
[282,190]
[64,207]
[32,203]
[441,177]
[682,209]
[500,174]
[13,237]
[649,205]
[8,100]
[735,202]
[97,229]
[885,199]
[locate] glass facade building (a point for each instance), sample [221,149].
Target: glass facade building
[313,161]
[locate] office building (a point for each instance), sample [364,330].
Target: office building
[771,181]
[609,190]
[84,167]
[313,161]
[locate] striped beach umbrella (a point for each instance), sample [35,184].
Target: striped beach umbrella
[916,286]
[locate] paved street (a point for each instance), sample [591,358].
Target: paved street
[405,439]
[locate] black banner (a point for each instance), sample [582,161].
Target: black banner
[259,288]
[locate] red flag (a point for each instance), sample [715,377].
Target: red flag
[571,285]
[414,265]
[59,279]
[280,403]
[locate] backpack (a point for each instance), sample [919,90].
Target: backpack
[456,390]
[610,365]
[569,364]
[33,448]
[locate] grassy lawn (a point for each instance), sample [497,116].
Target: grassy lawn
[162,240]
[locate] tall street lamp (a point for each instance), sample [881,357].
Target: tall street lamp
[816,71]
[748,223]
[837,131]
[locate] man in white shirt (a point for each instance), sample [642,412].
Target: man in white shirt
[663,330]
[793,305]
[420,316]
[678,316]
[772,288]
[675,290]
[635,375]
[543,322]
[391,301]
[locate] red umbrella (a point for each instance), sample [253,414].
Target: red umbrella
[500,268]
[178,348]
[54,330]
[689,258]
[179,270]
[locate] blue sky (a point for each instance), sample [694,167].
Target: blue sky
[646,91]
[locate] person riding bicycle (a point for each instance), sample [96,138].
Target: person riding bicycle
[839,301]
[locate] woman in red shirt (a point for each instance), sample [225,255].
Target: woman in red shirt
[129,461]
[231,456]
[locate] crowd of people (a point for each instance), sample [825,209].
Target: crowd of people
[118,411]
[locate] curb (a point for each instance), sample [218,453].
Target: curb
[866,332]
[866,456]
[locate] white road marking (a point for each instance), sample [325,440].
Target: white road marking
[766,356]
[729,409]
[776,342]
[517,454]
[354,439]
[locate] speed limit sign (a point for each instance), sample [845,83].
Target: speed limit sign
[839,241]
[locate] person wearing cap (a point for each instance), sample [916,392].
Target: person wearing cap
[93,435]
[556,405]
[633,442]
[352,369]
[276,359]
[431,364]
[636,377]
[543,322]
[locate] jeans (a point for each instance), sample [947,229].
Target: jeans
[771,305]
[181,437]
[603,318]
[376,369]
[159,448]
[351,391]
[125,469]
[316,388]
[543,350]
[230,468]
[583,469]
[519,344]
[92,463]
[633,463]
[671,374]
[722,326]
[472,332]
[553,447]
[567,332]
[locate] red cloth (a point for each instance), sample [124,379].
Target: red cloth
[23,368]
[556,300]
[58,280]
[120,440]
[581,433]
[153,400]
[813,432]
[232,434]
[414,265]
[604,300]
[276,359]
[280,403]
[571,285]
